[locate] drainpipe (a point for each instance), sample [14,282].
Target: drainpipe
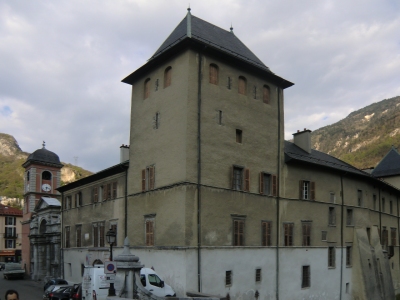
[341,235]
[62,239]
[126,204]
[278,194]
[199,174]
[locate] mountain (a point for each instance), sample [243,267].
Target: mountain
[12,172]
[364,137]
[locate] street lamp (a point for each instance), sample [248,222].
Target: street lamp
[111,236]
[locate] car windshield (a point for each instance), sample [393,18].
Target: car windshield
[49,289]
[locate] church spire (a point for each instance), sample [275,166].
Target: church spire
[189,23]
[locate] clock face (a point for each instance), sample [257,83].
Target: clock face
[46,187]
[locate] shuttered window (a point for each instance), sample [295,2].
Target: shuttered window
[101,234]
[288,232]
[79,236]
[167,77]
[95,194]
[266,233]
[148,178]
[242,85]
[306,227]
[213,74]
[307,190]
[247,180]
[238,232]
[149,232]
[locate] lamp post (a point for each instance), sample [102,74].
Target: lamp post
[111,236]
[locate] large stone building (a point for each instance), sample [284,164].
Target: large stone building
[41,216]
[217,201]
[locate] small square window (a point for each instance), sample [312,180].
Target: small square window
[324,235]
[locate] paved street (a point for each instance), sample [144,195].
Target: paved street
[27,289]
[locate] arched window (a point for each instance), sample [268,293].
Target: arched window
[242,85]
[46,175]
[266,94]
[147,88]
[213,74]
[42,228]
[167,77]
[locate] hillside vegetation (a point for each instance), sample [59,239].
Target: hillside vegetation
[12,172]
[364,137]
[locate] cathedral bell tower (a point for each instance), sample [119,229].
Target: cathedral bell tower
[41,179]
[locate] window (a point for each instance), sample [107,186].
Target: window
[332,197]
[347,287]
[332,216]
[266,233]
[146,88]
[78,199]
[348,256]
[385,238]
[79,236]
[114,190]
[349,220]
[219,117]
[228,278]
[149,223]
[306,227]
[101,235]
[68,202]
[95,194]
[305,277]
[167,77]
[238,136]
[242,85]
[237,179]
[324,235]
[238,232]
[359,198]
[10,220]
[266,94]
[67,236]
[213,74]
[307,190]
[391,207]
[374,201]
[8,244]
[46,175]
[393,236]
[258,275]
[383,204]
[331,257]
[288,231]
[229,85]
[268,184]
[148,178]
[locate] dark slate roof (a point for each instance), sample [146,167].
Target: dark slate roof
[389,165]
[207,33]
[43,156]
[293,152]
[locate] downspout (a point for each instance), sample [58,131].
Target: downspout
[341,236]
[380,215]
[278,194]
[199,174]
[62,239]
[126,204]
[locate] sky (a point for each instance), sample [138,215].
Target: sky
[62,62]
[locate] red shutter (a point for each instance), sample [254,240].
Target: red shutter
[301,189]
[151,178]
[247,180]
[261,183]
[143,180]
[274,185]
[312,188]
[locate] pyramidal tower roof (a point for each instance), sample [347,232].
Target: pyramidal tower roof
[211,35]
[389,165]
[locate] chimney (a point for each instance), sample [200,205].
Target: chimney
[302,139]
[124,153]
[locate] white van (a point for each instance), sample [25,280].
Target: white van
[154,284]
[94,283]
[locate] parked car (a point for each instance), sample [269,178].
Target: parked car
[77,294]
[63,293]
[54,281]
[13,270]
[52,288]
[153,283]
